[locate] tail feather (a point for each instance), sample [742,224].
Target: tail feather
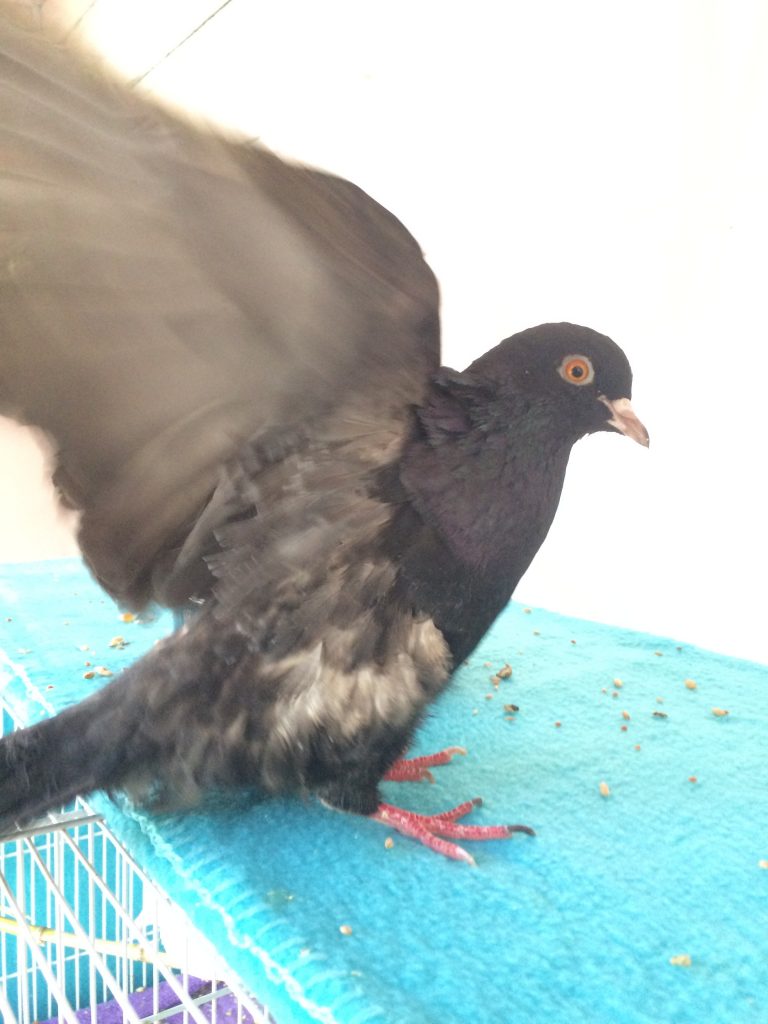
[81,749]
[157,732]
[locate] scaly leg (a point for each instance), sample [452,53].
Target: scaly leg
[435,831]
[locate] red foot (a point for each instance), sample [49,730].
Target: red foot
[436,830]
[429,828]
[416,769]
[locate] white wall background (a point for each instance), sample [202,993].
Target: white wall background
[600,162]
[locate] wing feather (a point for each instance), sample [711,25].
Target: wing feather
[167,293]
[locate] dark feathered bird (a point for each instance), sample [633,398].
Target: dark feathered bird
[237,362]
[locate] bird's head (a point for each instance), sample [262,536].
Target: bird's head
[582,376]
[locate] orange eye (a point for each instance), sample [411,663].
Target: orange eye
[577,370]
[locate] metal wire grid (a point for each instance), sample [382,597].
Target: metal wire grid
[80,925]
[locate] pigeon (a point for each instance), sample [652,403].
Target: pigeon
[235,362]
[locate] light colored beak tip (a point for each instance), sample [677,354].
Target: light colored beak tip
[636,433]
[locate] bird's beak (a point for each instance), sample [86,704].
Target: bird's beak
[623,418]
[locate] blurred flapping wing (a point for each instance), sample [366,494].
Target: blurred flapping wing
[167,293]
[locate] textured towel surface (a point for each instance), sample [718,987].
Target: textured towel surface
[576,925]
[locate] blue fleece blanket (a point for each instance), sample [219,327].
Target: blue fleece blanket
[643,897]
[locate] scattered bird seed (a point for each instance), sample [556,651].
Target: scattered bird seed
[681,960]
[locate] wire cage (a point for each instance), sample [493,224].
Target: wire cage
[87,938]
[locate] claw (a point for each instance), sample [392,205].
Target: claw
[436,830]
